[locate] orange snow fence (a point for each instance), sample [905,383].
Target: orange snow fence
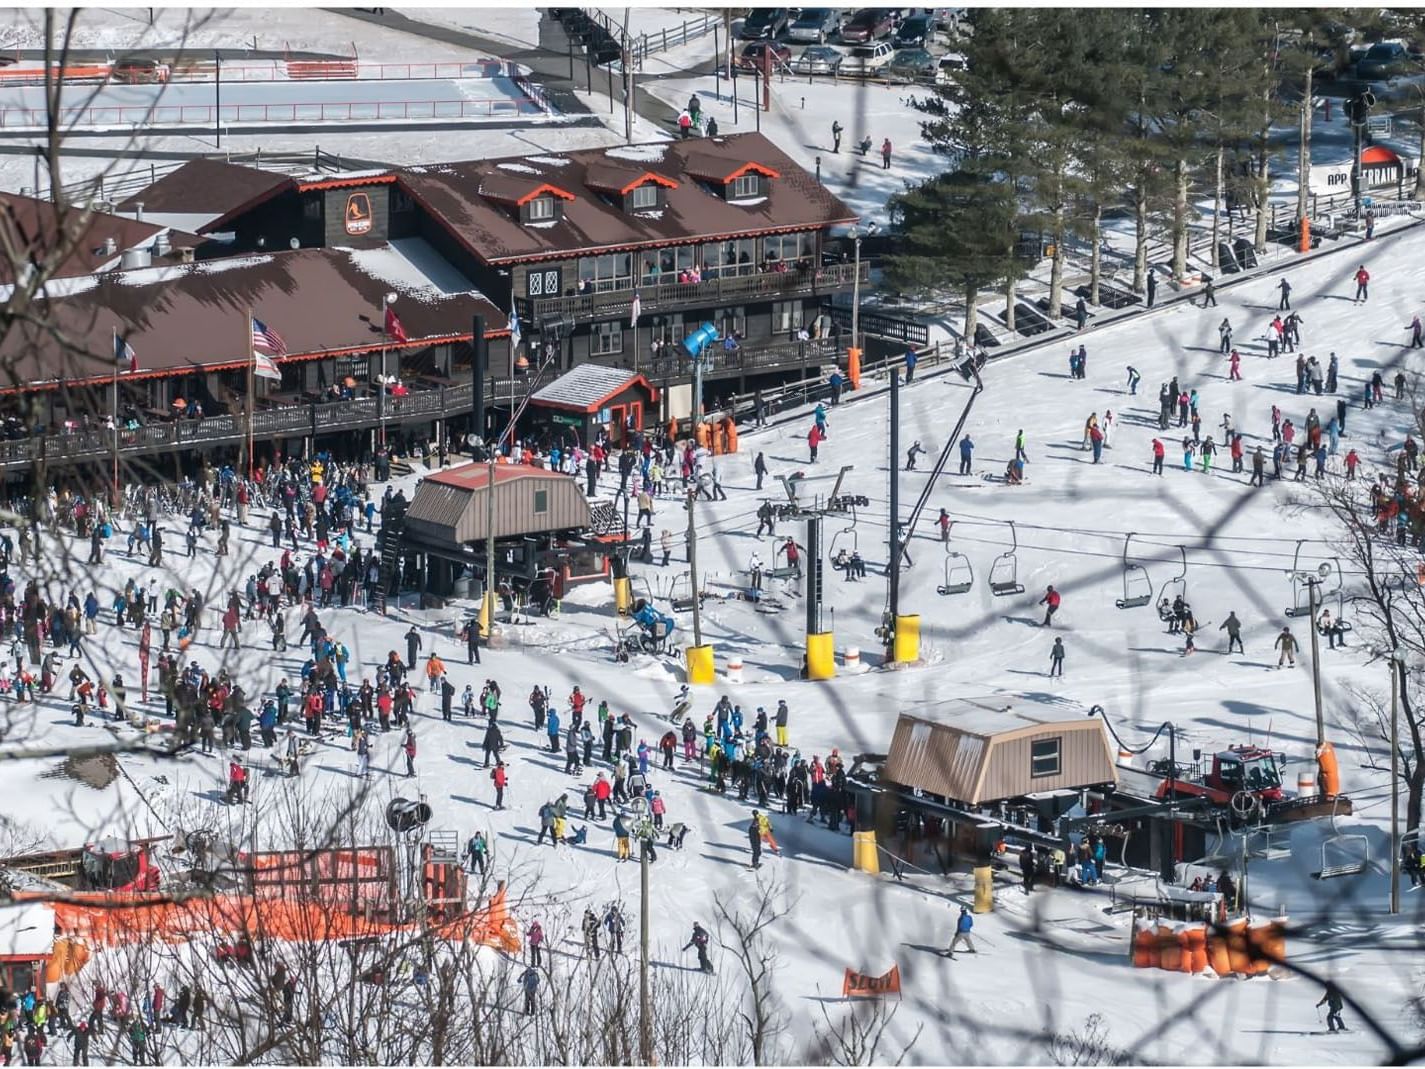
[863,985]
[101,919]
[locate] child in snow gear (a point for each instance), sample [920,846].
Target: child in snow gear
[1056,659]
[962,932]
[1051,600]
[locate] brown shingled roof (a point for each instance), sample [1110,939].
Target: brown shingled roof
[204,186]
[322,302]
[493,232]
[27,223]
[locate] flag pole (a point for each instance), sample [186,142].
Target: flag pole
[251,366]
[114,408]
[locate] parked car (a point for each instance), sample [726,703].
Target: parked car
[751,57]
[1383,61]
[913,33]
[868,24]
[819,59]
[139,70]
[815,25]
[912,65]
[764,23]
[867,58]
[949,68]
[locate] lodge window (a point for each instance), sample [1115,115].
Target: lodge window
[744,186]
[541,502]
[730,321]
[401,200]
[787,247]
[541,209]
[643,198]
[787,317]
[312,208]
[666,329]
[671,261]
[607,338]
[601,274]
[728,258]
[1044,757]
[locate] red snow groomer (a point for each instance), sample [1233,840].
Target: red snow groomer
[1247,779]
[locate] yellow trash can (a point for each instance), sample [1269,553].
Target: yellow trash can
[984,889]
[864,857]
[700,664]
[907,643]
[821,655]
[623,595]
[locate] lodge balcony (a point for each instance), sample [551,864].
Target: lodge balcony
[751,357]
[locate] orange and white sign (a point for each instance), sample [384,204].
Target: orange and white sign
[358,214]
[862,985]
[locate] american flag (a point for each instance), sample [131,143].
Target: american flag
[264,337]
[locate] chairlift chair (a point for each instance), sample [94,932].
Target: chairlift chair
[1352,854]
[836,539]
[959,576]
[1004,573]
[1137,586]
[1174,588]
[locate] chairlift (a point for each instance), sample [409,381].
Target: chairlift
[1174,588]
[1301,588]
[959,576]
[1137,586]
[680,593]
[1343,854]
[840,538]
[1004,573]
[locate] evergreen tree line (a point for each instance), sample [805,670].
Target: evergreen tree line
[1066,117]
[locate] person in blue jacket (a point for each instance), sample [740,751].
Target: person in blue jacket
[967,450]
[551,726]
[962,933]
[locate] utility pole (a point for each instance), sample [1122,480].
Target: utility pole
[1395,670]
[645,1010]
[893,569]
[627,96]
[218,97]
[693,567]
[1312,589]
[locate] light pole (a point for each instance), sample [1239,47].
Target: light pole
[1313,581]
[856,236]
[388,301]
[1397,666]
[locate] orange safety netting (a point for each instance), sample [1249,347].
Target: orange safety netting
[101,919]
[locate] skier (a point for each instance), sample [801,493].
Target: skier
[530,982]
[700,941]
[915,450]
[1158,454]
[1363,278]
[1133,377]
[1224,335]
[475,851]
[1285,302]
[754,840]
[535,938]
[836,131]
[1287,644]
[1333,1001]
[963,924]
[1051,599]
[1056,659]
[1415,330]
[967,448]
[591,933]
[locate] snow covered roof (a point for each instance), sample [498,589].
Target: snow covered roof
[587,387]
[26,930]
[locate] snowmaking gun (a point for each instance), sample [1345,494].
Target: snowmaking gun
[1245,779]
[655,629]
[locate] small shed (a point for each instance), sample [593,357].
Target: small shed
[451,506]
[26,942]
[985,750]
[591,398]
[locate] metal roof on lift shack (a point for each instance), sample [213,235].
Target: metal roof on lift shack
[450,506]
[588,387]
[982,750]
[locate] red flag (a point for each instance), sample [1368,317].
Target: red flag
[394,330]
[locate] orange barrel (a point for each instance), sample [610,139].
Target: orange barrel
[731,435]
[702,435]
[1145,949]
[1184,950]
[1197,948]
[1236,939]
[1276,940]
[1170,955]
[1217,955]
[1257,942]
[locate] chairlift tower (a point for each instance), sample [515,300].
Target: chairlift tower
[820,660]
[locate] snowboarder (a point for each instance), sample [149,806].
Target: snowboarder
[1285,302]
[1415,330]
[699,941]
[1050,599]
[1287,644]
[914,451]
[1056,659]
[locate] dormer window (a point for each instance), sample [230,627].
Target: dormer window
[643,198]
[542,210]
[744,187]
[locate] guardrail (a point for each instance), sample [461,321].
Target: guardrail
[273,70]
[134,116]
[749,356]
[649,44]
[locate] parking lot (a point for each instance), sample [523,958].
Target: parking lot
[897,44]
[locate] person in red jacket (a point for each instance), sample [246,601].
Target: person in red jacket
[409,746]
[814,439]
[603,791]
[1158,452]
[1236,451]
[1352,459]
[1363,278]
[501,778]
[1051,599]
[1235,371]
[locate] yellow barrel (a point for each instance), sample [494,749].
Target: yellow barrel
[907,644]
[821,655]
[623,595]
[863,852]
[700,664]
[984,889]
